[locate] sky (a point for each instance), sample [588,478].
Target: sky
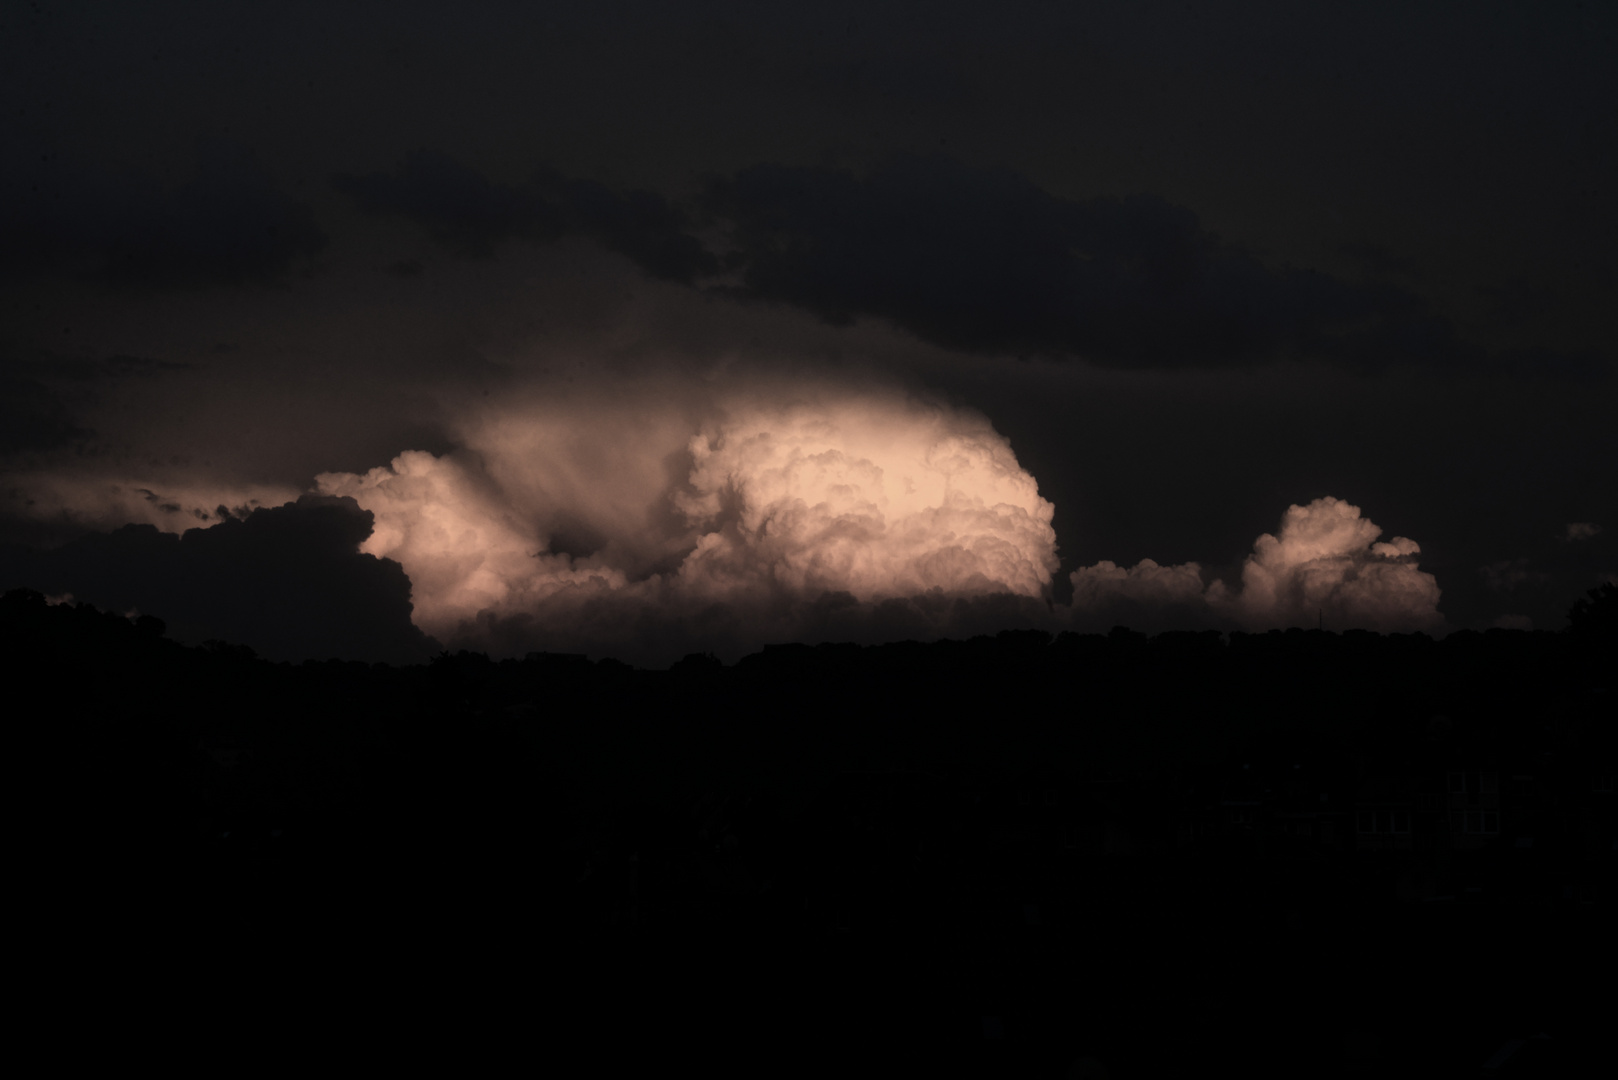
[637,329]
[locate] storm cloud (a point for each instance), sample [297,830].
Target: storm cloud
[1188,271]
[657,520]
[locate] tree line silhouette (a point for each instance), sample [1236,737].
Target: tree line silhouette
[1310,852]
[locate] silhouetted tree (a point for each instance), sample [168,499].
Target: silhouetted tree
[1596,616]
[957,826]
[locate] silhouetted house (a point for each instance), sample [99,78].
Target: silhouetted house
[1113,819]
[1224,808]
[1432,823]
[1473,801]
[1581,805]
[1278,796]
[224,751]
[1384,808]
[1253,805]
[1056,811]
[1196,820]
[1308,806]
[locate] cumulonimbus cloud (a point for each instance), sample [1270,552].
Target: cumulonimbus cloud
[646,519]
[1326,564]
[605,518]
[646,522]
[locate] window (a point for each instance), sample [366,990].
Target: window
[1488,782]
[1383,821]
[1481,822]
[1457,783]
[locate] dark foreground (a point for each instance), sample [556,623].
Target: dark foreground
[1296,854]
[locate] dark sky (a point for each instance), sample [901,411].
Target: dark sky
[1198,263]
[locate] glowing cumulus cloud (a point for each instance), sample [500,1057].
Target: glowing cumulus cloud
[1327,560]
[1325,563]
[601,513]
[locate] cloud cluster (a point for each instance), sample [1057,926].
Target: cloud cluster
[1325,565]
[1146,597]
[647,516]
[1328,561]
[655,524]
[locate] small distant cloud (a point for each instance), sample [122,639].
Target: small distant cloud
[1513,622]
[1507,574]
[1582,530]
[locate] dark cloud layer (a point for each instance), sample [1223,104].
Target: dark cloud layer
[287,581]
[470,214]
[228,224]
[980,261]
[33,417]
[458,206]
[38,395]
[984,261]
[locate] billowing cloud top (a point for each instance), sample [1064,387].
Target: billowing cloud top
[1327,560]
[583,518]
[1326,564]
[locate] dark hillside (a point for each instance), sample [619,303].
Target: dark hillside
[1319,854]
